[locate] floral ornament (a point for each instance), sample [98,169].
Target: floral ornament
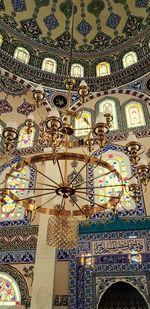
[95,7]
[66,8]
[40,3]
[5,107]
[29,273]
[133,25]
[63,41]
[11,86]
[100,40]
[26,108]
[30,28]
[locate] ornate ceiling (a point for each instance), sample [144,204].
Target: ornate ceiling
[99,25]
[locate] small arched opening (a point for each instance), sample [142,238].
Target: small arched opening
[122,295]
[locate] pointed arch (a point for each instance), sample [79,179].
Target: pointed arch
[22,54]
[83,123]
[49,65]
[129,59]
[102,69]
[77,70]
[108,105]
[26,139]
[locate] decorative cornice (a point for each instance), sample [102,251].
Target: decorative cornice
[56,81]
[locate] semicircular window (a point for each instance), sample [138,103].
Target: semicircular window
[22,54]
[49,65]
[9,291]
[129,59]
[134,115]
[77,70]
[102,69]
[19,183]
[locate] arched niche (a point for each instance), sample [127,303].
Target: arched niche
[122,294]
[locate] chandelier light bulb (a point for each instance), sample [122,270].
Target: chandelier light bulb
[40,88]
[83,83]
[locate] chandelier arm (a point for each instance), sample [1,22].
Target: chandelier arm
[37,182]
[77,205]
[121,185]
[46,202]
[89,201]
[34,196]
[80,184]
[60,171]
[99,194]
[80,145]
[42,174]
[132,176]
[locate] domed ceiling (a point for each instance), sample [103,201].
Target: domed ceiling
[98,25]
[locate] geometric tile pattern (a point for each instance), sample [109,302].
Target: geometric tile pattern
[113,20]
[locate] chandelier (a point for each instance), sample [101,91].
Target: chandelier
[69,202]
[64,211]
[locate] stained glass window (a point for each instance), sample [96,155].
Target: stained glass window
[129,59]
[49,65]
[18,183]
[1,40]
[110,182]
[22,54]
[26,139]
[109,106]
[9,291]
[103,69]
[77,70]
[83,124]
[134,115]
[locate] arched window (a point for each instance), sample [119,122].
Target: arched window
[10,210]
[109,106]
[22,55]
[26,139]
[134,115]
[83,124]
[1,40]
[108,184]
[77,70]
[49,65]
[103,69]
[129,59]
[9,291]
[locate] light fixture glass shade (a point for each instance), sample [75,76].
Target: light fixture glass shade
[131,137]
[100,119]
[62,232]
[12,124]
[54,113]
[83,83]
[40,88]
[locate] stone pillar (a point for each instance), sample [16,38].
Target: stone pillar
[43,283]
[44,271]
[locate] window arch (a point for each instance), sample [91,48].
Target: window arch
[134,114]
[108,105]
[77,70]
[22,54]
[25,138]
[129,59]
[10,210]
[83,124]
[103,69]
[1,40]
[49,65]
[121,163]
[9,291]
